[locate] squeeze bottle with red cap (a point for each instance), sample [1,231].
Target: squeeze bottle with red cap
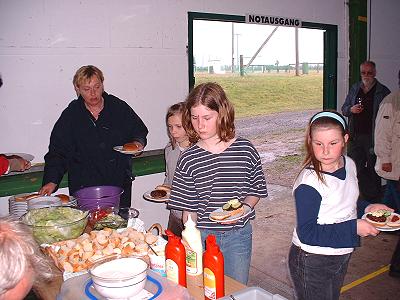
[213,262]
[175,259]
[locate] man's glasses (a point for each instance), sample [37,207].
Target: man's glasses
[367,73]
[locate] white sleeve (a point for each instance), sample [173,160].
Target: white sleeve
[383,131]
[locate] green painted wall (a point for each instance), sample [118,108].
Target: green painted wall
[357,37]
[31,182]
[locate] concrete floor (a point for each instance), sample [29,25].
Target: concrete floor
[272,232]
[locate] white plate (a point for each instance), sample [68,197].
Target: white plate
[19,208]
[147,196]
[385,228]
[120,149]
[247,210]
[26,156]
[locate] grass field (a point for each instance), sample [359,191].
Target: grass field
[263,94]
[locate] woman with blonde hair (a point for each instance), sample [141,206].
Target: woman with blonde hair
[83,139]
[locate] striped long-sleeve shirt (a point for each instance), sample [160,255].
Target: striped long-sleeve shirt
[204,181]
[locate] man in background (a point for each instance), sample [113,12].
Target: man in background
[361,107]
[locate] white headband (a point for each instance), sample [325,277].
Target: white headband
[329,114]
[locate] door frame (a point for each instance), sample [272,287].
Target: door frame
[330,52]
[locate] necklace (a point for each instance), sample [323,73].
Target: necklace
[96,111]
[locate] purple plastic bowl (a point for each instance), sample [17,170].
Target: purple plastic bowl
[95,197]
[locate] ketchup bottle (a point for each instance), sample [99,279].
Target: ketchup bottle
[213,262]
[175,259]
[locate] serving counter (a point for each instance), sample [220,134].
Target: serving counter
[150,162]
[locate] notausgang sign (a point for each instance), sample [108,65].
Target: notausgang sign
[270,20]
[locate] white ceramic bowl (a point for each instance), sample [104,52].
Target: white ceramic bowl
[118,277]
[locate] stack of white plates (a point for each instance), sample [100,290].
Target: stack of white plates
[19,208]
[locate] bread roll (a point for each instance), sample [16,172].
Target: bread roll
[26,197]
[130,147]
[64,198]
[224,214]
[376,221]
[164,187]
[393,221]
[220,215]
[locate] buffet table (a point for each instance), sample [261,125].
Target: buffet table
[49,291]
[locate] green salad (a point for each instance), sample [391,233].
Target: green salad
[53,224]
[110,221]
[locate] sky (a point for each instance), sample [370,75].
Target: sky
[213,41]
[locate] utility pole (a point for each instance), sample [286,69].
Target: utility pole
[237,50]
[296,39]
[233,48]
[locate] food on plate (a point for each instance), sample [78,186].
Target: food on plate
[64,198]
[21,198]
[106,218]
[161,191]
[150,238]
[232,205]
[378,218]
[164,187]
[112,221]
[130,147]
[220,215]
[229,209]
[393,221]
[52,224]
[79,254]
[158,194]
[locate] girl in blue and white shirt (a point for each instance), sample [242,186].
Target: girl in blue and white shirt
[326,193]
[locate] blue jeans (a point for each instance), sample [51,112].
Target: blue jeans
[236,246]
[392,195]
[315,276]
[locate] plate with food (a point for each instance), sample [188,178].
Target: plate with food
[161,193]
[129,148]
[232,210]
[383,220]
[26,156]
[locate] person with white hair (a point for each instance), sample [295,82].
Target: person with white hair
[21,262]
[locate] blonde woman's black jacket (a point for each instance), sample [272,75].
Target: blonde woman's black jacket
[83,146]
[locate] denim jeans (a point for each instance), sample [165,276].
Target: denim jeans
[316,276]
[392,195]
[236,246]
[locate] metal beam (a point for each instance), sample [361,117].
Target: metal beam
[262,46]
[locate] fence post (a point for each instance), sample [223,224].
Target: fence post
[305,68]
[241,66]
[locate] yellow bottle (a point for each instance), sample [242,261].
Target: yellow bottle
[194,248]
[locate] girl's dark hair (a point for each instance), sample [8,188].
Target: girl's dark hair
[211,95]
[324,119]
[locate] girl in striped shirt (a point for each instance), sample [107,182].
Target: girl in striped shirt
[219,167]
